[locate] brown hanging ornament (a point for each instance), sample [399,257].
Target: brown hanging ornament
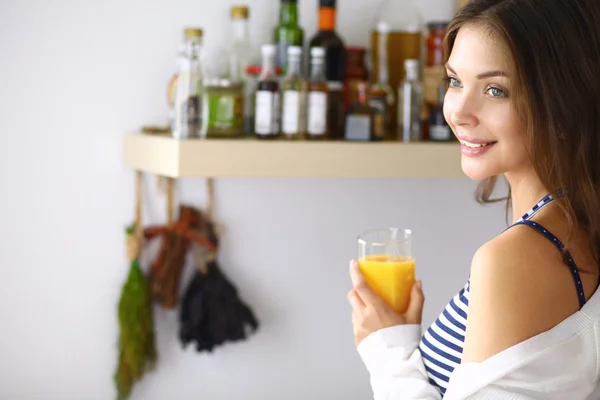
[177,238]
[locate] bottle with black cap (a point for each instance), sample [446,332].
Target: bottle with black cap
[335,51]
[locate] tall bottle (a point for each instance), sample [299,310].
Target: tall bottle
[328,39]
[381,94]
[288,32]
[410,104]
[404,40]
[266,125]
[293,88]
[187,106]
[317,121]
[239,49]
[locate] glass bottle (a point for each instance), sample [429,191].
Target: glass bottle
[266,115]
[404,41]
[293,91]
[288,32]
[439,130]
[317,108]
[187,107]
[410,104]
[434,71]
[239,49]
[381,95]
[364,123]
[328,39]
[356,70]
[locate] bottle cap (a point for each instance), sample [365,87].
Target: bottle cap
[327,3]
[294,51]
[192,33]
[412,68]
[267,50]
[239,12]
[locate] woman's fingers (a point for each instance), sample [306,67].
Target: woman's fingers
[355,301]
[362,288]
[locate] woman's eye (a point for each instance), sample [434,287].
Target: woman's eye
[455,83]
[495,92]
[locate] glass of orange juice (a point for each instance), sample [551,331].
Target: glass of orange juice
[387,261]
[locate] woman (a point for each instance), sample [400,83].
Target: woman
[524,100]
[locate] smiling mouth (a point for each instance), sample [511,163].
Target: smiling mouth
[477,145]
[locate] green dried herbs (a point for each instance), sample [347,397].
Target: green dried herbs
[137,347]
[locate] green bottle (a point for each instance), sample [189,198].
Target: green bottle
[288,32]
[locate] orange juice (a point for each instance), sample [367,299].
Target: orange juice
[391,277]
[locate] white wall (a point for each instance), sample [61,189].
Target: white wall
[74,77]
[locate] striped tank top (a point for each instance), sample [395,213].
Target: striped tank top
[441,346]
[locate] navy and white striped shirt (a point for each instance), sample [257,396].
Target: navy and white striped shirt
[441,346]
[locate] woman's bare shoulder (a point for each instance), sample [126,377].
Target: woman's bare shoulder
[519,288]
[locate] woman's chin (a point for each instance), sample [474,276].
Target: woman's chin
[475,170]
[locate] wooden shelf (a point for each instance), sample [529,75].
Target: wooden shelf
[163,155]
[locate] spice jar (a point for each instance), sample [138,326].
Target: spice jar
[224,108]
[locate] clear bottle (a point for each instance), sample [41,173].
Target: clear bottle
[317,123]
[381,94]
[239,49]
[410,104]
[266,115]
[187,107]
[293,88]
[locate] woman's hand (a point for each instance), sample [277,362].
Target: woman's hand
[370,313]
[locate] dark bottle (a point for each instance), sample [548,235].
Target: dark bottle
[439,130]
[328,39]
[266,115]
[288,32]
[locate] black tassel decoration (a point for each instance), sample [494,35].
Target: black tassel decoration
[211,312]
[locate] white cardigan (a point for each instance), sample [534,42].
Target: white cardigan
[562,363]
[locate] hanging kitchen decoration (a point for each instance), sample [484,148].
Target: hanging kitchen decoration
[137,347]
[211,312]
[177,238]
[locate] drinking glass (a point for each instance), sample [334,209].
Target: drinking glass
[387,261]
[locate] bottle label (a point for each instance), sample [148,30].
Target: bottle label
[440,132]
[358,127]
[267,111]
[290,123]
[317,113]
[224,111]
[190,115]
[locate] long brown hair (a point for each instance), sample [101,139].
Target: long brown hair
[555,50]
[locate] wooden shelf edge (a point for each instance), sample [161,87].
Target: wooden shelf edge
[162,155]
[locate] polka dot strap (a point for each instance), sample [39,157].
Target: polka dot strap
[567,256]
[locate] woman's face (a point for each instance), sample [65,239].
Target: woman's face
[478,107]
